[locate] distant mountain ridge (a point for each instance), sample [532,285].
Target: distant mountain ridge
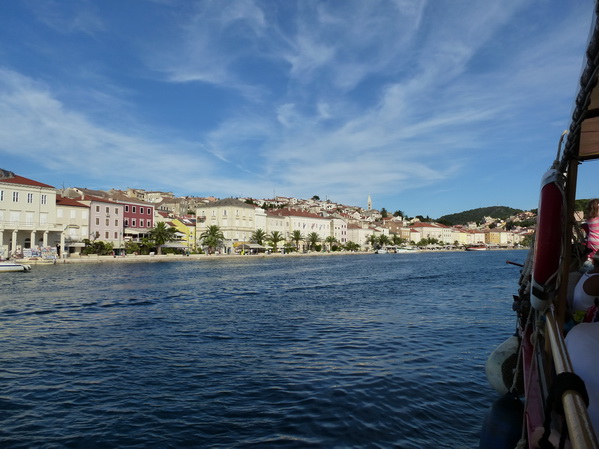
[477,215]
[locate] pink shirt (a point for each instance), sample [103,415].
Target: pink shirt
[593,235]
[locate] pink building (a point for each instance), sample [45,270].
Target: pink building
[105,220]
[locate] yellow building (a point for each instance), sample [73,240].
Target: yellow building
[186,230]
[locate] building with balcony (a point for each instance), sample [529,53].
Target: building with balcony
[73,217]
[27,216]
[236,219]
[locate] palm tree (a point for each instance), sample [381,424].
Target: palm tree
[258,236]
[397,240]
[296,236]
[330,240]
[383,240]
[373,241]
[351,246]
[313,239]
[274,238]
[161,234]
[212,237]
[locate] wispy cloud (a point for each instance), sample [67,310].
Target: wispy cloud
[38,127]
[306,97]
[83,18]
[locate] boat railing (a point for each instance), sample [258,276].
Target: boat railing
[580,429]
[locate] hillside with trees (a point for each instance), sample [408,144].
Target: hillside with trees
[476,215]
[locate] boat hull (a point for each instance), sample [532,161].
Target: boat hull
[6,267]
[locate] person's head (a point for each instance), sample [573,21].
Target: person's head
[593,208]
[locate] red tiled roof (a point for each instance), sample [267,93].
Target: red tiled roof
[64,201]
[97,199]
[16,179]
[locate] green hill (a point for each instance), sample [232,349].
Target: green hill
[477,215]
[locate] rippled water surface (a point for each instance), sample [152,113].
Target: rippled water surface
[374,351]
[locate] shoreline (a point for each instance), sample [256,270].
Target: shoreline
[130,258]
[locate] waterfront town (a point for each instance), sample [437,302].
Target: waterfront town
[38,220]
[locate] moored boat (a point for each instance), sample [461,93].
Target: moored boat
[8,266]
[546,398]
[477,248]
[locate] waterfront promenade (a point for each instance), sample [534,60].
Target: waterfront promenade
[94,258]
[130,258]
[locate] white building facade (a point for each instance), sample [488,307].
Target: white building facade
[27,216]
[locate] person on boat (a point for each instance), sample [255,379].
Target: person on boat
[591,227]
[586,293]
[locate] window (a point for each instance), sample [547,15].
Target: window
[116,211]
[141,210]
[224,212]
[106,234]
[15,197]
[29,218]
[73,215]
[43,218]
[108,222]
[107,209]
[97,208]
[97,221]
[149,211]
[134,222]
[1,195]
[84,215]
[141,223]
[116,222]
[133,209]
[44,199]
[30,198]
[116,235]
[126,222]
[126,208]
[58,213]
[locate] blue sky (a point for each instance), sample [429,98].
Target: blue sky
[430,107]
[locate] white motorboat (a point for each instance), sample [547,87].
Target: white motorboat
[8,265]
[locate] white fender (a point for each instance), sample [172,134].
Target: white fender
[501,364]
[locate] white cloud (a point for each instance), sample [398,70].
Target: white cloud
[36,126]
[76,17]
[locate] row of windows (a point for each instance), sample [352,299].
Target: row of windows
[73,214]
[142,223]
[15,197]
[224,213]
[142,210]
[15,217]
[116,209]
[116,222]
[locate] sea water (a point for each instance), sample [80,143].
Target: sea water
[345,351]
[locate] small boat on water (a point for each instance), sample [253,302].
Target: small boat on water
[407,249]
[7,265]
[549,395]
[477,248]
[382,251]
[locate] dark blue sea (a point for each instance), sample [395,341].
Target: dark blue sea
[349,351]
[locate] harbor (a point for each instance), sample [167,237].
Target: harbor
[353,350]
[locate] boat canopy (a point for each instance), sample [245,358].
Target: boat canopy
[583,136]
